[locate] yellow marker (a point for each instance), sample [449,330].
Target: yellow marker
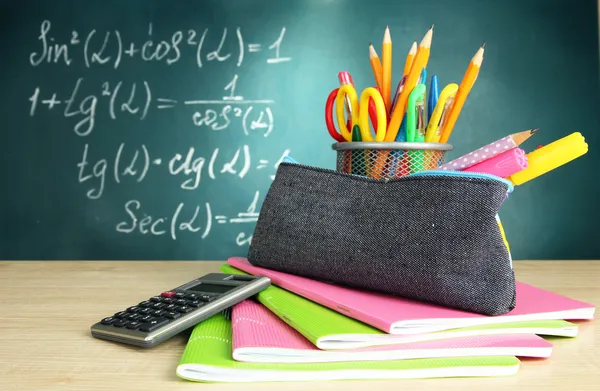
[502,233]
[440,113]
[550,157]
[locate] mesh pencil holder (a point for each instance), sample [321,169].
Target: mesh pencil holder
[381,160]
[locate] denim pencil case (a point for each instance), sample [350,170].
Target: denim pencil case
[432,236]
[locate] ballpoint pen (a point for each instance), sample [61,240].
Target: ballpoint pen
[434,95]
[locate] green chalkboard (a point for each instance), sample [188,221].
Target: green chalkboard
[152,129]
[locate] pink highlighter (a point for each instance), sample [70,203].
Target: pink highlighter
[502,165]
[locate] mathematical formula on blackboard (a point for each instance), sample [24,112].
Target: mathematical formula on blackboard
[193,166]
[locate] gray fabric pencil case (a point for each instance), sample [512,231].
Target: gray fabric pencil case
[433,236]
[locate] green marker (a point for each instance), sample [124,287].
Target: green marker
[357,154]
[415,126]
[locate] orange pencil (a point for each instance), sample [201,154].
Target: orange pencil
[376,65]
[461,95]
[409,58]
[420,62]
[386,63]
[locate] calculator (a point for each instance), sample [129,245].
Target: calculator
[171,312]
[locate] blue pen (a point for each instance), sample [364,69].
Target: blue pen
[434,95]
[423,77]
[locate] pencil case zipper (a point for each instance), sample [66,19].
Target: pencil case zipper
[466,174]
[447,173]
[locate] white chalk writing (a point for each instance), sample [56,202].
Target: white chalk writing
[107,161]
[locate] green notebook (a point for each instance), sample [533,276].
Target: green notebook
[208,358]
[329,330]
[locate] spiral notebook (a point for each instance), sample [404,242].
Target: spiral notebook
[260,336]
[330,330]
[396,315]
[208,358]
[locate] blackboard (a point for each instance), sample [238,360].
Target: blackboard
[152,129]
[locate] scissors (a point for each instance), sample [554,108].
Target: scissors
[371,107]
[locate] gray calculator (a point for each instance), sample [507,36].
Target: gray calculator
[159,318]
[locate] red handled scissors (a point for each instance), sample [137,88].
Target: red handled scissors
[370,99]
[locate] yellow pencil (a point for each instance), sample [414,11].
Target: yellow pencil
[376,65]
[461,95]
[420,62]
[386,67]
[409,58]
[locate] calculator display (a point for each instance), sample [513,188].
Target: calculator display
[211,288]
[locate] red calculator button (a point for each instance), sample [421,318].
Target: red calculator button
[168,294]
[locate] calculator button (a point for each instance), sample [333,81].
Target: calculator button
[133,325]
[179,295]
[121,314]
[158,313]
[120,323]
[154,324]
[146,311]
[184,309]
[133,316]
[168,294]
[207,298]
[195,303]
[172,315]
[108,320]
[145,304]
[146,318]
[168,300]
[133,309]
[171,307]
[180,302]
[191,296]
[156,299]
[158,306]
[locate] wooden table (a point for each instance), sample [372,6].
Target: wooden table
[48,307]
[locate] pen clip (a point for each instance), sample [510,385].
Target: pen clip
[420,108]
[447,106]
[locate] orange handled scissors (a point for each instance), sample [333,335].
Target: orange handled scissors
[371,107]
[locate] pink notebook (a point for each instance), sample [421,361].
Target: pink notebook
[396,315]
[260,336]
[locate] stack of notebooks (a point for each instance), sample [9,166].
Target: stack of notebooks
[300,329]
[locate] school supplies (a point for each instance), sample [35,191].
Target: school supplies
[333,132]
[423,77]
[409,59]
[440,113]
[345,78]
[415,125]
[397,93]
[371,94]
[502,165]
[415,130]
[551,156]
[376,113]
[331,330]
[463,91]
[397,315]
[376,66]
[420,62]
[208,358]
[386,63]
[260,336]
[434,95]
[487,151]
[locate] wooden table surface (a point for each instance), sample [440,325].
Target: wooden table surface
[47,309]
